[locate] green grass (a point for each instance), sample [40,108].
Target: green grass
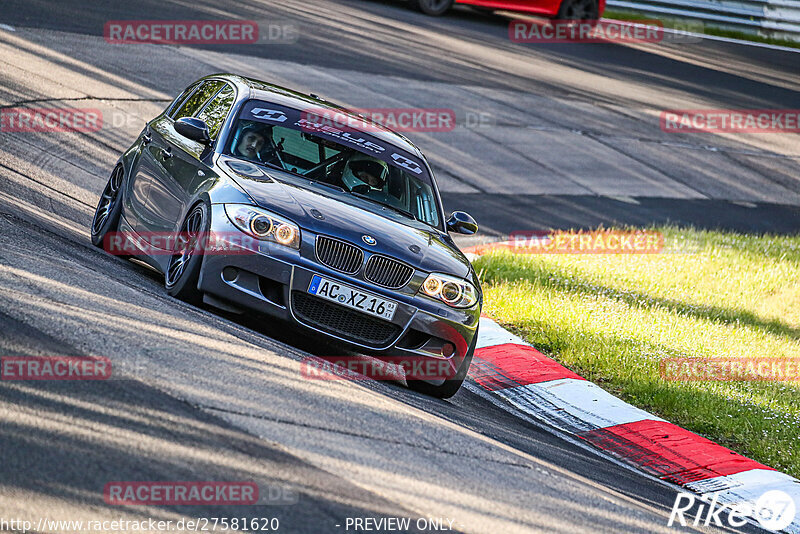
[613,318]
[681,24]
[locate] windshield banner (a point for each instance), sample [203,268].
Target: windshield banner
[312,123]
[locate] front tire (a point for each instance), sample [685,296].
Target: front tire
[450,386]
[435,8]
[109,208]
[183,271]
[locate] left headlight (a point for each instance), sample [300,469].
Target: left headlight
[264,225]
[453,291]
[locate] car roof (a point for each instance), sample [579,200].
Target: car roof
[294,99]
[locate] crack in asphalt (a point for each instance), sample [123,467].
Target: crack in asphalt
[83,99]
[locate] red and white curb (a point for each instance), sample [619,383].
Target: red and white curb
[507,367]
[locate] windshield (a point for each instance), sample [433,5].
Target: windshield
[354,161]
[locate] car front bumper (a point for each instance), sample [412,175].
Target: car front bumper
[274,280]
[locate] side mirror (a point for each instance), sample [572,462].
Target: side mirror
[462,222]
[193,129]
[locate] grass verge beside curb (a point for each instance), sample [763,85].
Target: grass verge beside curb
[613,318]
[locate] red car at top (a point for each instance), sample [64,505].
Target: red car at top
[557,9]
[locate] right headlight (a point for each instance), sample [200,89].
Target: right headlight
[453,291]
[264,225]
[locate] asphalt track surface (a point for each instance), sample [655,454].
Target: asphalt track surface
[572,139]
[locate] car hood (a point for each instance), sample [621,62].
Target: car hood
[350,219]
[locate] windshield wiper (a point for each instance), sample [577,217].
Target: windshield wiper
[274,166]
[401,211]
[267,164]
[332,186]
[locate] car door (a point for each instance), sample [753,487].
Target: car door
[169,165]
[138,186]
[184,167]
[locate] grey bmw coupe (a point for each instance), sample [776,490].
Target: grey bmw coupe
[254,198]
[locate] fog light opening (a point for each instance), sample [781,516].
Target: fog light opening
[230,274]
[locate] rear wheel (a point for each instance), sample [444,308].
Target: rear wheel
[578,10]
[109,208]
[448,387]
[432,7]
[183,270]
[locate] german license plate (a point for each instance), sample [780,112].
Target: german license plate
[352,298]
